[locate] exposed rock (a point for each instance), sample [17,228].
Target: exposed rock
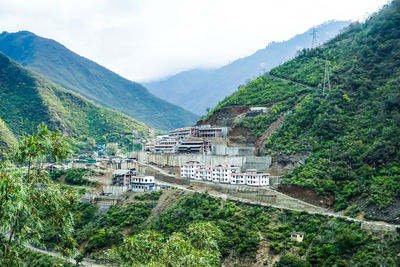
[389,214]
[225,117]
[283,164]
[307,195]
[241,136]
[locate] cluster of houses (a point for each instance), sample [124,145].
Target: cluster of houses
[224,173]
[186,140]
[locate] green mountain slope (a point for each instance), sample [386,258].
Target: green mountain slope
[26,100]
[352,133]
[61,66]
[6,136]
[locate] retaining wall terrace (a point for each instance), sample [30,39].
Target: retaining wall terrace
[260,194]
[175,160]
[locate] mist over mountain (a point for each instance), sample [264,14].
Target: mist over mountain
[87,78]
[199,89]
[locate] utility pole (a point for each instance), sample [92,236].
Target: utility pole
[314,35]
[327,83]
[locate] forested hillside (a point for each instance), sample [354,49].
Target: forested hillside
[199,89]
[352,132]
[163,229]
[87,78]
[26,100]
[6,136]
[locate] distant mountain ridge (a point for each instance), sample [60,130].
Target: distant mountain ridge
[87,78]
[199,89]
[26,100]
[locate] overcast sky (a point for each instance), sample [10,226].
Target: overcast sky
[149,39]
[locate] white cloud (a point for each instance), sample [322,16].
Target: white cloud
[148,39]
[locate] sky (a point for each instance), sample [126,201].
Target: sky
[145,40]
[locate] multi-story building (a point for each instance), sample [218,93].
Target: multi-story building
[149,147]
[181,133]
[203,174]
[133,180]
[141,183]
[224,173]
[206,131]
[188,169]
[203,131]
[168,142]
[251,177]
[189,140]
[162,148]
[194,147]
[122,177]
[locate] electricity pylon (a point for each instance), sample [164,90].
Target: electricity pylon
[327,83]
[314,35]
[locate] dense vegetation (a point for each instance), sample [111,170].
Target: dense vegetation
[196,246]
[238,229]
[6,136]
[102,230]
[61,66]
[327,241]
[27,100]
[353,131]
[30,203]
[36,259]
[73,176]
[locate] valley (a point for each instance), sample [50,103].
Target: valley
[300,166]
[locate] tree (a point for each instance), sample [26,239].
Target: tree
[290,260]
[137,146]
[30,202]
[198,246]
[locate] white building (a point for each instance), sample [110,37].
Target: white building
[224,173]
[251,177]
[141,183]
[204,174]
[297,236]
[188,169]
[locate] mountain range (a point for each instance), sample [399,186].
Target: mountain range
[199,89]
[26,100]
[58,64]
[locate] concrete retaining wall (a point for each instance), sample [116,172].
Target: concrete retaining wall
[376,227]
[175,160]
